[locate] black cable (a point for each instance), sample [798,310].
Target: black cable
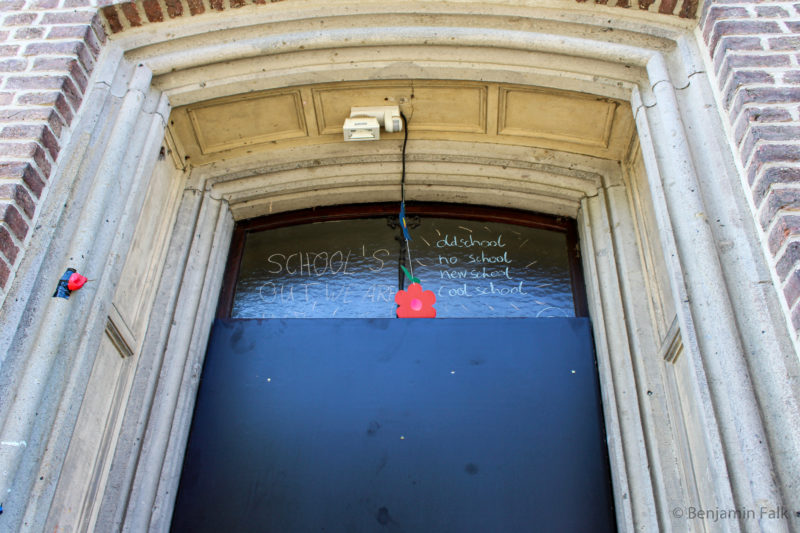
[405,141]
[406,244]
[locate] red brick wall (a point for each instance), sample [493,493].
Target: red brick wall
[48,49]
[755,50]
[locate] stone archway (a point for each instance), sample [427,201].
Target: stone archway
[644,62]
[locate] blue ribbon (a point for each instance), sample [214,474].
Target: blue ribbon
[62,290]
[403,223]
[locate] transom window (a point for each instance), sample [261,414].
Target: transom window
[346,263]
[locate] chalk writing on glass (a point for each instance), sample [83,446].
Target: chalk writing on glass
[352,269]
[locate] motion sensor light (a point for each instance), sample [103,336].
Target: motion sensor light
[364,123]
[361,129]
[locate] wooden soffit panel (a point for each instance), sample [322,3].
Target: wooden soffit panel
[437,110]
[254,119]
[574,118]
[457,107]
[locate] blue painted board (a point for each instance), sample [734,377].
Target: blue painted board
[370,425]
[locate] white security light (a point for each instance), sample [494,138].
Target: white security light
[361,129]
[365,123]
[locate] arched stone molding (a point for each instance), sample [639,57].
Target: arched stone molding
[516,177]
[415,39]
[736,356]
[205,15]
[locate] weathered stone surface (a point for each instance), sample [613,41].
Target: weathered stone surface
[751,47]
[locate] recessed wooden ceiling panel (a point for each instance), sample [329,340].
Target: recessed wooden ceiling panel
[581,119]
[459,107]
[232,122]
[466,111]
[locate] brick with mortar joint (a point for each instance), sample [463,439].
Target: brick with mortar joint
[20,196]
[667,6]
[760,115]
[36,132]
[787,225]
[25,172]
[13,65]
[98,29]
[38,98]
[33,115]
[174,8]
[86,60]
[740,78]
[72,93]
[792,77]
[53,99]
[34,82]
[196,7]
[784,43]
[761,96]
[772,154]
[742,27]
[84,33]
[131,13]
[14,220]
[728,44]
[78,31]
[764,132]
[69,48]
[786,261]
[59,64]
[791,289]
[78,75]
[733,61]
[71,101]
[716,12]
[45,4]
[771,12]
[688,9]
[55,122]
[153,10]
[9,50]
[111,16]
[68,17]
[26,150]
[12,5]
[5,272]
[8,246]
[775,200]
[22,19]
[29,33]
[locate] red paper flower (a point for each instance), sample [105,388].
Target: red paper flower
[76,281]
[415,303]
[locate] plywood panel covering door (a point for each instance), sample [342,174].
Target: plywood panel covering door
[446,425]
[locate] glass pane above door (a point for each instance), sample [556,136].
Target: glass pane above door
[351,269]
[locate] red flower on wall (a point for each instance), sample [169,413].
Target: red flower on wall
[415,303]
